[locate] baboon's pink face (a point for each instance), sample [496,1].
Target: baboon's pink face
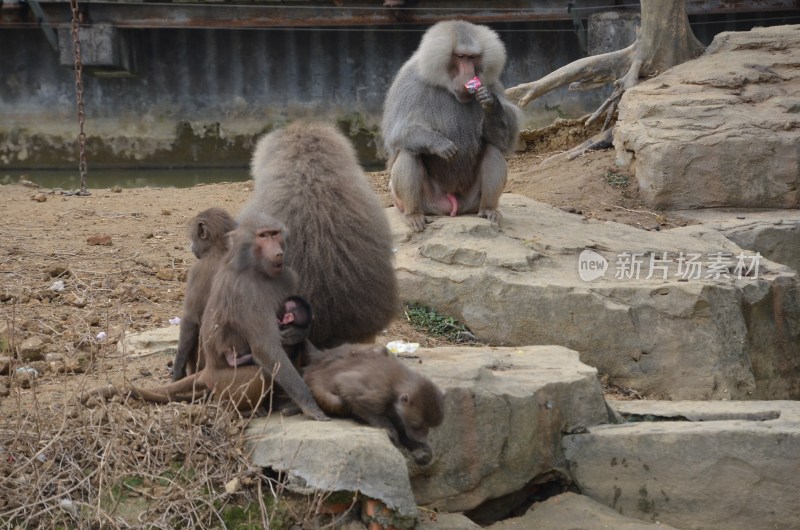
[463,67]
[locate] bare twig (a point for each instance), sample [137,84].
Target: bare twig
[632,211]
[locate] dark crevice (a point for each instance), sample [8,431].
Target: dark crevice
[516,504]
[765,415]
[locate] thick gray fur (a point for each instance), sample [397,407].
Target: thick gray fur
[307,175]
[421,115]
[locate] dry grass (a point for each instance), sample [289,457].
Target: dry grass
[123,465]
[128,464]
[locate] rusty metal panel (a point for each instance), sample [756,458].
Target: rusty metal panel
[712,7]
[312,13]
[318,13]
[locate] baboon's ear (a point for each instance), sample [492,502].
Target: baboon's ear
[202,231]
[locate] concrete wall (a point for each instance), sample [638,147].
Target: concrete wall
[201,96]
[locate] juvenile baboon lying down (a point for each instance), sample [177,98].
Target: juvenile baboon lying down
[369,384]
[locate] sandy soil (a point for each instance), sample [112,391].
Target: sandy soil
[137,281]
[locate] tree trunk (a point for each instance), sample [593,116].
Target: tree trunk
[666,37]
[665,40]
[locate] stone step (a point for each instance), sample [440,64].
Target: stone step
[570,511]
[695,465]
[667,329]
[505,412]
[775,234]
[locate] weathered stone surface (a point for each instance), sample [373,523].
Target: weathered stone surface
[31,349]
[733,468]
[570,511]
[337,455]
[773,233]
[505,412]
[721,130]
[5,364]
[700,338]
[611,30]
[159,340]
[446,521]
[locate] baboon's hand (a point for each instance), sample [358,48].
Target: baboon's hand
[446,149]
[315,413]
[422,455]
[485,97]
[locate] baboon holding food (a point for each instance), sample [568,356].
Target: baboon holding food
[307,175]
[208,232]
[447,125]
[369,384]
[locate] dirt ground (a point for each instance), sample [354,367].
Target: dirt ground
[137,280]
[78,273]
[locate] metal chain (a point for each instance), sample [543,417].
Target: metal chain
[79,91]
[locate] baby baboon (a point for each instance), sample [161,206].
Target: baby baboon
[307,175]
[446,141]
[247,293]
[369,384]
[294,323]
[208,231]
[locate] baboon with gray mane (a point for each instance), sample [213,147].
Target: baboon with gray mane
[307,175]
[447,125]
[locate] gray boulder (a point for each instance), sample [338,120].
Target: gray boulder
[773,233]
[672,335]
[446,521]
[505,412]
[721,130]
[337,455]
[31,349]
[570,511]
[695,465]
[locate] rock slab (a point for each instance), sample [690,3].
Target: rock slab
[695,465]
[775,234]
[667,334]
[151,341]
[570,511]
[505,412]
[336,455]
[722,130]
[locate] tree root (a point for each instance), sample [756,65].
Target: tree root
[664,40]
[601,140]
[622,67]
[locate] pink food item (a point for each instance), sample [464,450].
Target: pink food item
[473,85]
